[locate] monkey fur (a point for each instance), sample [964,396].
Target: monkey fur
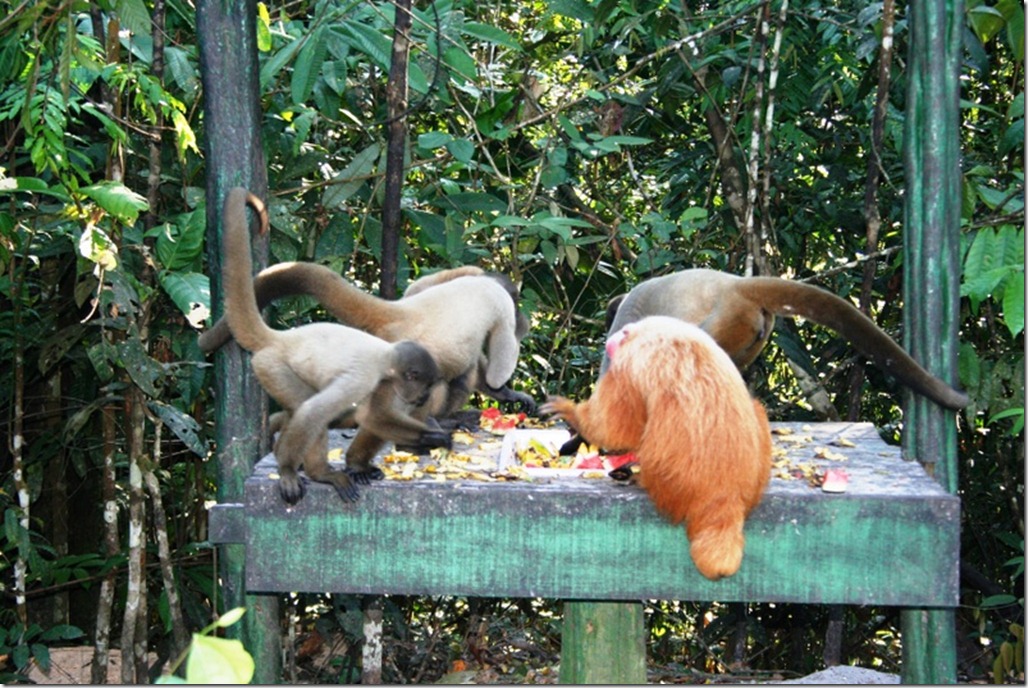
[739,313]
[675,399]
[451,312]
[321,372]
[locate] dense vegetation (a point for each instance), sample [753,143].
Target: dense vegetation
[577,145]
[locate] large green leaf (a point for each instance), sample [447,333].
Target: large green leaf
[491,34]
[117,199]
[180,245]
[218,661]
[189,290]
[370,41]
[1013,303]
[308,66]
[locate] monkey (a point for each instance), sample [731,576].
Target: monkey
[453,319]
[739,313]
[673,397]
[433,310]
[320,372]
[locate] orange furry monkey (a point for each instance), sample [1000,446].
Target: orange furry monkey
[674,398]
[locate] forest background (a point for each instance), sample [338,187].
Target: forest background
[578,147]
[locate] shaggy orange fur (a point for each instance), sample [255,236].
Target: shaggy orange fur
[674,398]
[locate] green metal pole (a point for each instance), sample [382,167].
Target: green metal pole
[227,37]
[931,286]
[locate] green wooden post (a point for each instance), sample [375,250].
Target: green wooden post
[603,642]
[931,285]
[227,36]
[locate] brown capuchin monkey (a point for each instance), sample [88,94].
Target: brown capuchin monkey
[675,399]
[739,313]
[321,372]
[451,312]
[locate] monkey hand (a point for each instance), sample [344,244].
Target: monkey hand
[430,439]
[558,406]
[364,476]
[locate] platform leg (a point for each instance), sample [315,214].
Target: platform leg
[603,642]
[929,646]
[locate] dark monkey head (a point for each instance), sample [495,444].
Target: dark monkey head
[416,372]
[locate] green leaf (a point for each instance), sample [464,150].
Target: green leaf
[461,149]
[218,661]
[263,28]
[230,617]
[353,177]
[180,245]
[986,21]
[1013,303]
[491,34]
[182,424]
[460,62]
[190,291]
[133,16]
[434,139]
[308,66]
[117,199]
[470,201]
[369,41]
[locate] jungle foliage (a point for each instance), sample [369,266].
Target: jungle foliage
[577,145]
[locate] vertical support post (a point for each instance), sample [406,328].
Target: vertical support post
[931,282]
[603,642]
[227,37]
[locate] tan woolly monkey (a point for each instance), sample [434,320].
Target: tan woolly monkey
[321,372]
[739,313]
[453,313]
[675,399]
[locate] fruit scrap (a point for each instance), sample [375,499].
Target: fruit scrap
[826,453]
[835,480]
[497,422]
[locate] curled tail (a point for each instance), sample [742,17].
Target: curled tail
[241,311]
[784,297]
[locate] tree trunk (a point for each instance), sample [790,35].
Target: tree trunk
[396,104]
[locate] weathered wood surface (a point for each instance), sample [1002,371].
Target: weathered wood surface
[892,538]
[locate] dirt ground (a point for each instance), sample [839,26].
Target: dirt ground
[70,666]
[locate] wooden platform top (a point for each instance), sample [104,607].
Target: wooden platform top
[891,538]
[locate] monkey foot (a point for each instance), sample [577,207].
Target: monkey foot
[366,475]
[292,489]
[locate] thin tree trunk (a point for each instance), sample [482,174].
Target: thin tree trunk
[396,104]
[17,452]
[135,597]
[178,624]
[754,250]
[872,215]
[101,653]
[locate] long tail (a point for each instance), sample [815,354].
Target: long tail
[784,297]
[347,303]
[241,311]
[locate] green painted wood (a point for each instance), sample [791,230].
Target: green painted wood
[603,643]
[226,32]
[878,543]
[931,285]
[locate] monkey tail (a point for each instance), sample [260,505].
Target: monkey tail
[241,311]
[784,297]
